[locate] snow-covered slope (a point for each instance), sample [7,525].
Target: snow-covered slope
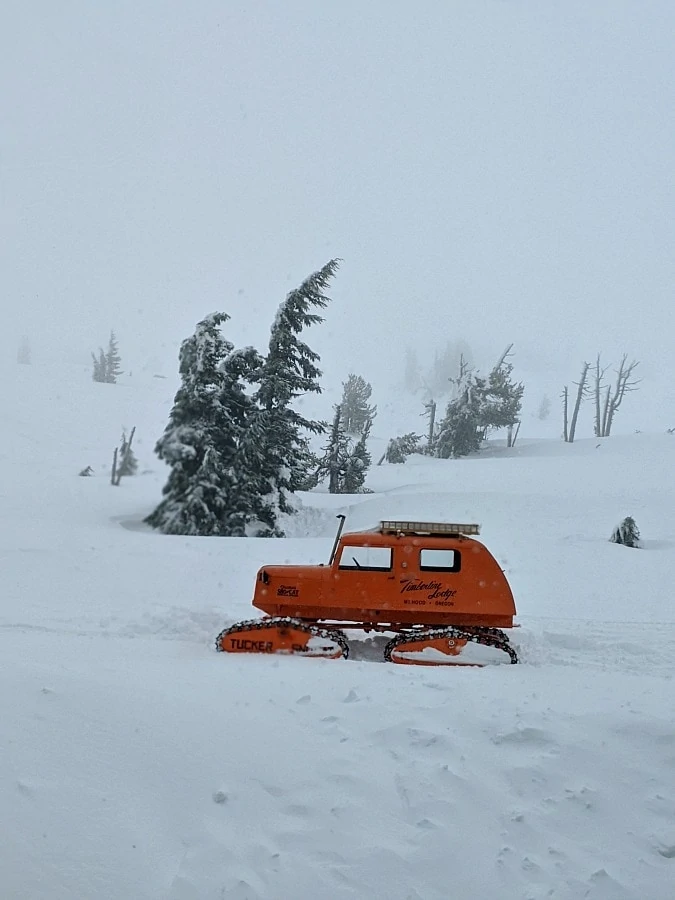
[137,763]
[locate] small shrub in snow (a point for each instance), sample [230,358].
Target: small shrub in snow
[86,472]
[626,533]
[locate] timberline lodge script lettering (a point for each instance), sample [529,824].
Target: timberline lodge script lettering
[433,589]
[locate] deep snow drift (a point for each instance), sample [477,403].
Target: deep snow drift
[137,763]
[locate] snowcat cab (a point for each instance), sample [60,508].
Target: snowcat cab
[433,585]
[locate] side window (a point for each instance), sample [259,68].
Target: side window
[440,560]
[375,559]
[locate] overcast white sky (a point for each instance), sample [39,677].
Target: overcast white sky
[491,169]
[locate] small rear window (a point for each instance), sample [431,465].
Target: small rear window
[439,560]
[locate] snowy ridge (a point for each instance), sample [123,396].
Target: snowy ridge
[139,763]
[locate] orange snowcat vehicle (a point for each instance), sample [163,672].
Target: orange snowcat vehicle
[437,588]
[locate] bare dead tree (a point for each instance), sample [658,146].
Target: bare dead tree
[582,392]
[607,401]
[463,370]
[512,434]
[120,457]
[113,473]
[597,398]
[430,413]
[605,413]
[565,400]
[502,358]
[622,386]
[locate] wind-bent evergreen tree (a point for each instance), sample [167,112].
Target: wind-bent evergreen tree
[357,414]
[274,447]
[479,405]
[208,491]
[400,448]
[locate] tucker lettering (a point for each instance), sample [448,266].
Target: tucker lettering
[256,646]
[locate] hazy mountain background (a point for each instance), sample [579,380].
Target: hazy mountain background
[495,171]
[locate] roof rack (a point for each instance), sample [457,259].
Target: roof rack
[432,529]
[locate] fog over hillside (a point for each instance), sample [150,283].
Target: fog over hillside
[499,171]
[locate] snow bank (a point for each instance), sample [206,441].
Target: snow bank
[137,762]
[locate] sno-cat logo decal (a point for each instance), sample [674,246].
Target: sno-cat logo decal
[434,590]
[287,590]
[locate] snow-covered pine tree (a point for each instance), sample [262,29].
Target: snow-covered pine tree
[332,464]
[478,405]
[503,397]
[356,466]
[208,491]
[274,446]
[460,431]
[112,360]
[344,462]
[357,414]
[99,370]
[400,448]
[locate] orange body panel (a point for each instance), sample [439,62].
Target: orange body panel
[412,590]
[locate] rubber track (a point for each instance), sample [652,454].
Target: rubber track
[335,635]
[489,637]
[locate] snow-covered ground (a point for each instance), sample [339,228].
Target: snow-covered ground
[136,762]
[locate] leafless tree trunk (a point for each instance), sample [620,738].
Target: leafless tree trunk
[124,452]
[512,434]
[622,385]
[597,390]
[565,394]
[430,411]
[581,392]
[113,474]
[605,414]
[502,358]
